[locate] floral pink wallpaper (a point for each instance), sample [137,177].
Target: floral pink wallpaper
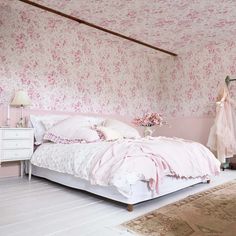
[66,66]
[190,82]
[177,25]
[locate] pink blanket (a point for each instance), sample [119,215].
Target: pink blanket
[150,159]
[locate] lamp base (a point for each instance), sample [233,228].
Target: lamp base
[20,123]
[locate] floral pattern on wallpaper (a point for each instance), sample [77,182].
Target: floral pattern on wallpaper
[177,25]
[66,66]
[192,81]
[69,67]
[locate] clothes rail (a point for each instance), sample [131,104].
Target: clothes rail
[228,80]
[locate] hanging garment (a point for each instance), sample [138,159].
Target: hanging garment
[222,137]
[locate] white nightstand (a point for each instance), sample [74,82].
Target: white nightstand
[16,144]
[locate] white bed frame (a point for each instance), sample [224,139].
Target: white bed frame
[140,191]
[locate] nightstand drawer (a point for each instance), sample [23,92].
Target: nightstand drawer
[16,134]
[16,144]
[22,154]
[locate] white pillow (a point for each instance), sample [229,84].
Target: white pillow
[87,120]
[48,124]
[108,133]
[71,131]
[39,126]
[42,123]
[125,130]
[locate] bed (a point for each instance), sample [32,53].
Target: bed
[128,170]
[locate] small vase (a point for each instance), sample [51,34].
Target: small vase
[149,130]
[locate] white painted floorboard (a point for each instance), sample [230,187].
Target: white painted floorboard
[41,207]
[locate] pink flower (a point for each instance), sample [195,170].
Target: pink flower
[150,119]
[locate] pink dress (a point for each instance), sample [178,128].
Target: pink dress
[222,137]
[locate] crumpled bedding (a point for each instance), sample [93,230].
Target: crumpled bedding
[124,162]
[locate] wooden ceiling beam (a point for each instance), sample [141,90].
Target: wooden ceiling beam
[95,26]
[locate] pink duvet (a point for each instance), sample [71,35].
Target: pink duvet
[152,158]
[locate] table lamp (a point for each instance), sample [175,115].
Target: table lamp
[21,99]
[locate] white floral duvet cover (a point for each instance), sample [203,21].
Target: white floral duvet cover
[124,162]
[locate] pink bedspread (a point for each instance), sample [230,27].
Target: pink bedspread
[153,158]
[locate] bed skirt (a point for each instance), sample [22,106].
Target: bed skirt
[140,191]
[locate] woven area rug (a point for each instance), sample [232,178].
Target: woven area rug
[212,212]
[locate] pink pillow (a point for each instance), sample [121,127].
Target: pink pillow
[124,129]
[71,131]
[109,134]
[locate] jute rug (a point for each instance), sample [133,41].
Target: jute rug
[212,212]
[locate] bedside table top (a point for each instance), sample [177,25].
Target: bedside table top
[12,128]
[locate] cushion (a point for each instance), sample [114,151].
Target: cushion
[49,123]
[124,129]
[42,123]
[40,127]
[108,133]
[87,120]
[71,130]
